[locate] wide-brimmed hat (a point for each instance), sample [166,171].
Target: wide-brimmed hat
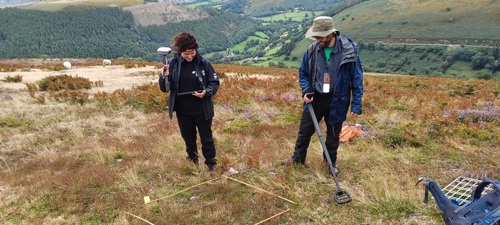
[322,27]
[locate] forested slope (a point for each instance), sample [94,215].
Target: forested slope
[108,33]
[96,33]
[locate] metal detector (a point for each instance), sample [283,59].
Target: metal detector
[341,196]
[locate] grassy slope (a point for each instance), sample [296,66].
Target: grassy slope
[467,19]
[402,21]
[295,16]
[261,3]
[421,19]
[198,4]
[78,180]
[162,13]
[241,46]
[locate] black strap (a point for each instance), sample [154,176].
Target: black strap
[479,189]
[312,63]
[200,78]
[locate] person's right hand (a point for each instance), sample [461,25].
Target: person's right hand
[166,69]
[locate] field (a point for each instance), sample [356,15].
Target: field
[92,155]
[421,19]
[295,16]
[261,37]
[56,5]
[198,4]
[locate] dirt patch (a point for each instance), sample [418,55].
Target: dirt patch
[113,77]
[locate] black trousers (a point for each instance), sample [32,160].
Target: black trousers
[321,105]
[188,125]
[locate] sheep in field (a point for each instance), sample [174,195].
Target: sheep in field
[106,62]
[67,65]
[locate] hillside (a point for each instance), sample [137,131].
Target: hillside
[432,21]
[162,13]
[416,37]
[109,32]
[474,22]
[57,5]
[93,155]
[90,156]
[262,8]
[277,40]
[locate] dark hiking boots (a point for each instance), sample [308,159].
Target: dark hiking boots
[327,167]
[211,167]
[293,160]
[287,162]
[194,160]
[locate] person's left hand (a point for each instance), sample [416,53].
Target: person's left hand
[200,94]
[354,116]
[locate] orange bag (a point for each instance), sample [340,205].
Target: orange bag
[350,131]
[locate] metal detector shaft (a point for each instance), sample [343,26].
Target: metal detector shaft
[341,196]
[320,135]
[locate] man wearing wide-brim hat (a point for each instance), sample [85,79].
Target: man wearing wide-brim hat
[331,72]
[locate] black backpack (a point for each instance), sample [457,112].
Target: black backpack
[481,210]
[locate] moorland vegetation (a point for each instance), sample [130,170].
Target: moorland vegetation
[71,157]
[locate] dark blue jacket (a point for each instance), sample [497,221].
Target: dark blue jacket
[348,79]
[205,70]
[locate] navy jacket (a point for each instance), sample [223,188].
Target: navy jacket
[348,81]
[204,70]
